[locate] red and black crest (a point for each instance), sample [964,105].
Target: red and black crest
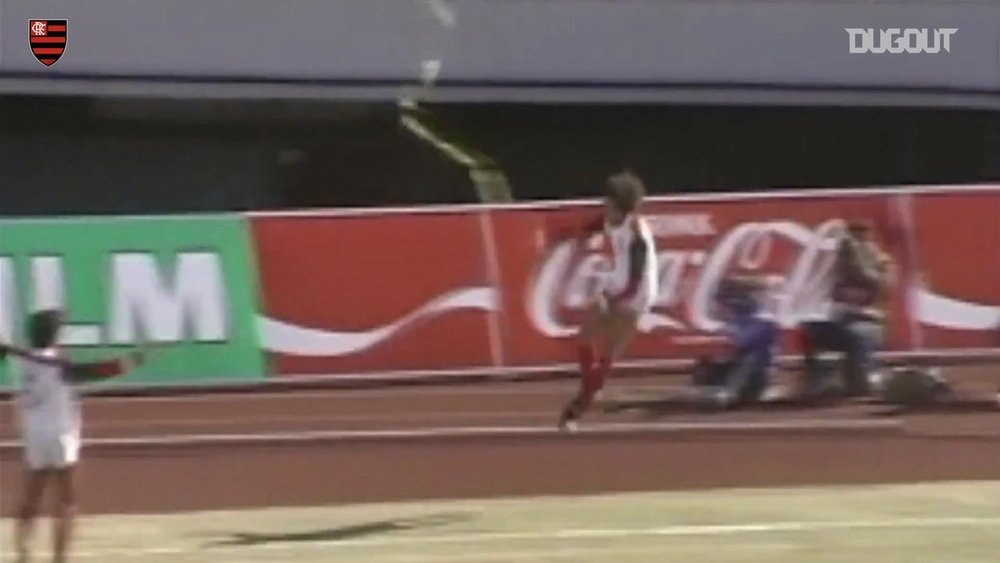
[47,39]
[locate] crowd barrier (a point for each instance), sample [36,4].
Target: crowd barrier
[244,298]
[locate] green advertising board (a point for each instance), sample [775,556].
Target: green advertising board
[185,285]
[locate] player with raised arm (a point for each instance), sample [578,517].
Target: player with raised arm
[623,295]
[51,423]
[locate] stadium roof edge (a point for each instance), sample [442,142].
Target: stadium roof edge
[568,93]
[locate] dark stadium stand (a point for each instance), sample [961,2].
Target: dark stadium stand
[133,156]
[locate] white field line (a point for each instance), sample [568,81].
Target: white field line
[596,429]
[549,554]
[574,534]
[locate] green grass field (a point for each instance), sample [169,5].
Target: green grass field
[925,523]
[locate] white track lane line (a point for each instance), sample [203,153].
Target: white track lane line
[470,390]
[804,425]
[500,375]
[331,419]
[528,390]
[574,534]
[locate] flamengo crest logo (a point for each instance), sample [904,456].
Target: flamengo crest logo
[47,39]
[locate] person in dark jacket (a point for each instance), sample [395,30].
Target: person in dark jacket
[863,274]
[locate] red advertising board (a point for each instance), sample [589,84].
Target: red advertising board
[374,292]
[476,288]
[957,239]
[792,240]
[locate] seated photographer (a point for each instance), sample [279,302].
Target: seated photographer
[862,277]
[740,375]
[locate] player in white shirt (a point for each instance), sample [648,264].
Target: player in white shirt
[50,423]
[624,294]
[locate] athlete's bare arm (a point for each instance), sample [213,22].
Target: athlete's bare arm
[81,372]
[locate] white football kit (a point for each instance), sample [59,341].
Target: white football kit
[633,233]
[50,414]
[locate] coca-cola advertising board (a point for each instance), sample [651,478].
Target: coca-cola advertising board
[374,293]
[547,281]
[477,288]
[957,296]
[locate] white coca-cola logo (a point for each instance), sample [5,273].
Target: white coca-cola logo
[688,278]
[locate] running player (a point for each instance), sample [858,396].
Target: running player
[624,294]
[50,424]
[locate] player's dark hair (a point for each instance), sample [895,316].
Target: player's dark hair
[43,326]
[625,190]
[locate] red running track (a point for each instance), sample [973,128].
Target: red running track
[443,463]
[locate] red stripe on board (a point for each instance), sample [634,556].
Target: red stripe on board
[47,62]
[48,39]
[47,50]
[57,28]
